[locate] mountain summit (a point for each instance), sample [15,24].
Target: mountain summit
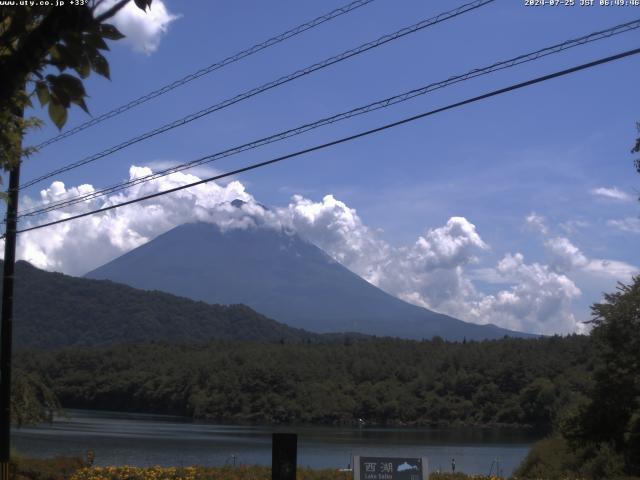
[282,276]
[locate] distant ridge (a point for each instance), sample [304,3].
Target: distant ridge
[53,310]
[282,276]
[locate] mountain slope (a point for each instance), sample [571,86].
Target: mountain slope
[283,277]
[54,310]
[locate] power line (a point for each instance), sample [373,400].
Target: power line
[268,86]
[211,68]
[254,166]
[528,57]
[344,115]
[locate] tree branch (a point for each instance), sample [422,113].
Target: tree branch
[112,11]
[32,51]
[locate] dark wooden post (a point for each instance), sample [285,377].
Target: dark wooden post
[6,326]
[284,456]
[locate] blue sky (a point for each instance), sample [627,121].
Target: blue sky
[545,150]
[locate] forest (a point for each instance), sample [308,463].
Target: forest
[381,381]
[72,311]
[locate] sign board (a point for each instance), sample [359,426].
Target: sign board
[390,468]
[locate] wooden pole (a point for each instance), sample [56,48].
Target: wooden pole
[6,327]
[284,456]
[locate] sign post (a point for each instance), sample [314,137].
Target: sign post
[284,456]
[390,468]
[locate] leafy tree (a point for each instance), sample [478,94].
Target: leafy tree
[554,457]
[612,415]
[39,47]
[32,401]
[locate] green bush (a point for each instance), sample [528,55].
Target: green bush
[549,459]
[554,458]
[57,468]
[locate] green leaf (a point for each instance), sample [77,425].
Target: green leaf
[60,95]
[5,24]
[143,4]
[83,66]
[74,50]
[81,104]
[58,113]
[73,37]
[72,85]
[62,57]
[96,42]
[54,51]
[43,93]
[56,57]
[100,65]
[109,31]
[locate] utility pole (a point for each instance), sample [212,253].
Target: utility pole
[284,456]
[6,327]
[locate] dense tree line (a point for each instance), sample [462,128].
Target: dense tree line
[599,437]
[610,419]
[383,381]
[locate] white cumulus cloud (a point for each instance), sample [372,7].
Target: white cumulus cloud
[143,29]
[449,246]
[611,269]
[565,255]
[339,231]
[79,246]
[537,223]
[539,300]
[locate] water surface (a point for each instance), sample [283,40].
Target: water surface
[145,440]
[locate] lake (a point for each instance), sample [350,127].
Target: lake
[145,440]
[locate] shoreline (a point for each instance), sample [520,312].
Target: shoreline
[370,425]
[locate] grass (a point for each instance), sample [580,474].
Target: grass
[58,468]
[74,468]
[199,473]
